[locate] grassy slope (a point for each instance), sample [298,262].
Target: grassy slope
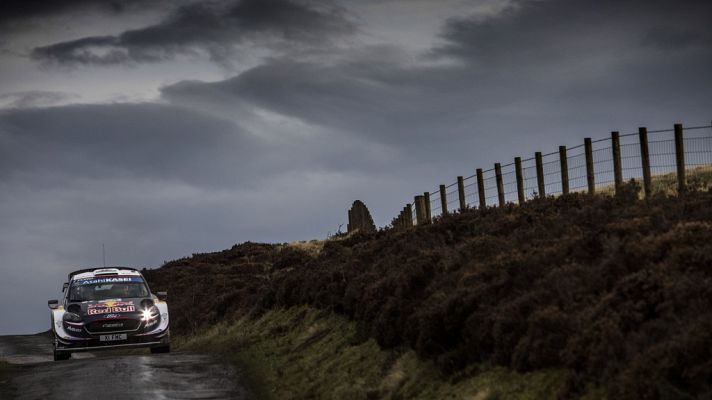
[587,290]
[698,178]
[301,353]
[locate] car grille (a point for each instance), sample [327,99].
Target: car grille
[114,325]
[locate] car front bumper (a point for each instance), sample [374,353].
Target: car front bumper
[92,344]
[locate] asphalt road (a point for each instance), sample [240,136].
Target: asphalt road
[112,375]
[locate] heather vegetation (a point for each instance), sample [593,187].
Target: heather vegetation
[305,353]
[613,292]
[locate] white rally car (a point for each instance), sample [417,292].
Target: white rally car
[108,308]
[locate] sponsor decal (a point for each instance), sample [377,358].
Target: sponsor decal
[111,306]
[119,279]
[113,325]
[111,316]
[72,329]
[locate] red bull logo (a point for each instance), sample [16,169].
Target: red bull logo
[111,306]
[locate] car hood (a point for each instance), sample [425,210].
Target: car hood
[110,309]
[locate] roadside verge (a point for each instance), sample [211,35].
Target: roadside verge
[302,352]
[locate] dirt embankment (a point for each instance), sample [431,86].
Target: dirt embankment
[615,291]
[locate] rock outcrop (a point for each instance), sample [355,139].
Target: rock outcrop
[360,219]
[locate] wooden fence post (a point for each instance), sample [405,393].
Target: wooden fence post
[617,165]
[588,145]
[425,211]
[540,174]
[420,210]
[409,215]
[564,162]
[645,160]
[461,193]
[428,214]
[443,200]
[520,179]
[500,184]
[348,224]
[481,188]
[680,159]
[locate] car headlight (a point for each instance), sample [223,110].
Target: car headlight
[71,317]
[150,315]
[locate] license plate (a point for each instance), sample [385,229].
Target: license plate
[111,338]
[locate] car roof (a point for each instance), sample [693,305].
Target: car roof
[99,272]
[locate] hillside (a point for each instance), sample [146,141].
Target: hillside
[610,292]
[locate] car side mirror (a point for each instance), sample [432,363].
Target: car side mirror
[163,296]
[65,286]
[53,304]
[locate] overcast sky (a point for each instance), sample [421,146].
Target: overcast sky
[164,128]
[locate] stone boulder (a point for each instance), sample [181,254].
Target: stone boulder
[360,219]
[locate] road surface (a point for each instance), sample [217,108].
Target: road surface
[112,375]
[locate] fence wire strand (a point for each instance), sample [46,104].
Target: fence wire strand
[697,143]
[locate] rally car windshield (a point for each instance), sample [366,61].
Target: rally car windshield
[107,288]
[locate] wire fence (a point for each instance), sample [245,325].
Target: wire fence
[595,166]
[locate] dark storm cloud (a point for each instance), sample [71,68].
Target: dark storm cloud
[83,51]
[532,30]
[375,95]
[605,59]
[146,141]
[368,97]
[12,11]
[559,69]
[213,27]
